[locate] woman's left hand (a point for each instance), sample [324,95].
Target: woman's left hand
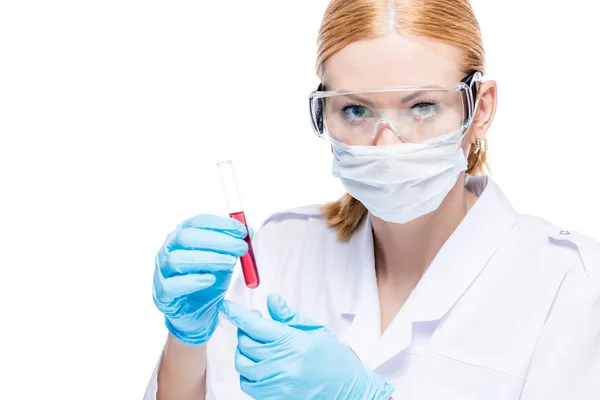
[293,357]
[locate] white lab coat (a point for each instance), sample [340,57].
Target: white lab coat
[509,308]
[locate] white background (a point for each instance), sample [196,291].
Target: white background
[113,114]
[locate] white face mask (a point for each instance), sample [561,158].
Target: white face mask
[401,182]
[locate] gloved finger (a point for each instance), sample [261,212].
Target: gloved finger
[163,252]
[257,312]
[165,290]
[253,349]
[257,327]
[182,262]
[251,388]
[227,225]
[202,239]
[268,388]
[280,311]
[251,370]
[169,242]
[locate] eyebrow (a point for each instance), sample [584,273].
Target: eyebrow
[412,96]
[360,100]
[370,104]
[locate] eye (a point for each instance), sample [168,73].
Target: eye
[424,110]
[354,112]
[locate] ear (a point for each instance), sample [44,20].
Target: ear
[486,109]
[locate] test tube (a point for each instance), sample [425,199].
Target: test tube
[234,204]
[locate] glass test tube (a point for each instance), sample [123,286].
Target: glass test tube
[234,205]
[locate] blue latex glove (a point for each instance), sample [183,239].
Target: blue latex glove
[293,357]
[192,273]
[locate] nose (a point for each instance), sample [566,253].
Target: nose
[385,134]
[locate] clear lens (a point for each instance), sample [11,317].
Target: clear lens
[413,115]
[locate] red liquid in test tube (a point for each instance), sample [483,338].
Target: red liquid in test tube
[234,204]
[248,262]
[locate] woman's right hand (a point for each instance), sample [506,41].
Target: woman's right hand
[192,273]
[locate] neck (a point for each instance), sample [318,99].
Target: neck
[403,252]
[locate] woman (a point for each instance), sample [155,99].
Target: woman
[422,282]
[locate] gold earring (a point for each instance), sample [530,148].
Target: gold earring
[477,145]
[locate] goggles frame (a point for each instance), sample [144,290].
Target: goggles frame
[468,83]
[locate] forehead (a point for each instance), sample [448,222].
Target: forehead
[392,60]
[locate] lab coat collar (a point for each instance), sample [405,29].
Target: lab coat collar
[465,253]
[360,275]
[360,295]
[455,267]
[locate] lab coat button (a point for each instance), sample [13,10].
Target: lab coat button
[565,232]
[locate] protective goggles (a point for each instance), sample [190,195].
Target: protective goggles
[413,113]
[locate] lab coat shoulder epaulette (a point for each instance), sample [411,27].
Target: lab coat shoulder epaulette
[587,249]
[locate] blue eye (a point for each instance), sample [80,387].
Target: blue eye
[425,110]
[355,111]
